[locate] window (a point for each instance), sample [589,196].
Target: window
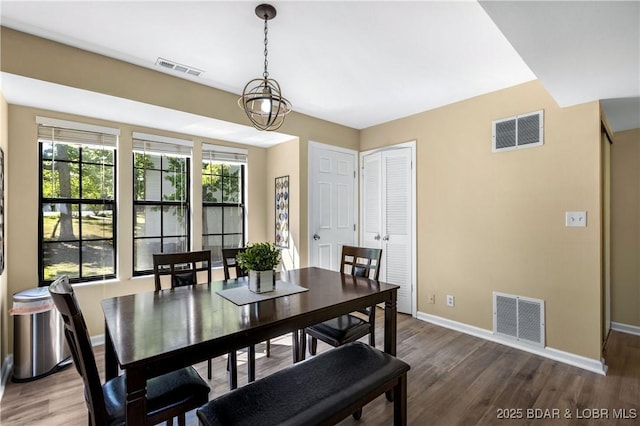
[77,218]
[160,198]
[223,200]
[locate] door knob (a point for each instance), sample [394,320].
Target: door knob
[316,237]
[385,238]
[377,237]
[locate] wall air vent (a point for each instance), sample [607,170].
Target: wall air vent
[519,131]
[165,63]
[519,318]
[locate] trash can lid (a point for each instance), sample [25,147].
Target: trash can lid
[32,295]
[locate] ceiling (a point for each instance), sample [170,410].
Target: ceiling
[350,62]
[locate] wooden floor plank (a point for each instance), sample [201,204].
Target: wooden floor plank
[455,379]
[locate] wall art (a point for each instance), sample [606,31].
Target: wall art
[282,211]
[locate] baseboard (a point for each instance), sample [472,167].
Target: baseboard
[7,365]
[589,364]
[97,340]
[5,373]
[625,328]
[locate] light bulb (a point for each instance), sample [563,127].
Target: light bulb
[265,106]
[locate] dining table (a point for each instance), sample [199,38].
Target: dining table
[152,333]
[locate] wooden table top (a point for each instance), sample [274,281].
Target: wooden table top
[148,327]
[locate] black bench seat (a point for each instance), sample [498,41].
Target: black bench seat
[319,391]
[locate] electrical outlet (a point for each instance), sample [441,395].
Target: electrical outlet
[432,298]
[576,219]
[451,301]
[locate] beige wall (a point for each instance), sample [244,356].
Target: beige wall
[625,228]
[495,221]
[23,209]
[485,221]
[23,54]
[5,305]
[282,161]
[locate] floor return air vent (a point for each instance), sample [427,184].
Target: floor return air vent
[519,318]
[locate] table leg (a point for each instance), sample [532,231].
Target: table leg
[303,346]
[390,328]
[390,323]
[251,363]
[295,337]
[136,405]
[110,361]
[232,367]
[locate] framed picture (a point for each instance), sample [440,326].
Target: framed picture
[282,211]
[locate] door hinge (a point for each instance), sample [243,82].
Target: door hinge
[354,226]
[354,174]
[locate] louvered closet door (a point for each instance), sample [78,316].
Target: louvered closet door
[386,184]
[372,201]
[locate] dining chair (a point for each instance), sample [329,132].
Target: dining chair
[182,269]
[360,262]
[230,264]
[170,395]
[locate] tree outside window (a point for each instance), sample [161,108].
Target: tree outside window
[77,214]
[161,207]
[223,207]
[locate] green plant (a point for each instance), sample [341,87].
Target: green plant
[259,257]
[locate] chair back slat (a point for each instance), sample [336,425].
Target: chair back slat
[77,335]
[229,262]
[361,261]
[182,268]
[355,262]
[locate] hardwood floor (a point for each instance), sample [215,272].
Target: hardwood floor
[455,379]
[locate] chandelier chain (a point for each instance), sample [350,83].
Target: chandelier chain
[265,74]
[262,98]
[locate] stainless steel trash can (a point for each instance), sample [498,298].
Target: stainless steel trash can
[39,346]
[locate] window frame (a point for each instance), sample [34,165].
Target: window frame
[161,204]
[242,204]
[43,201]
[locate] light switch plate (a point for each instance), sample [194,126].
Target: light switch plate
[576,219]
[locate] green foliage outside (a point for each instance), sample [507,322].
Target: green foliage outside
[61,172]
[88,173]
[72,172]
[93,226]
[177,175]
[62,258]
[174,170]
[220,183]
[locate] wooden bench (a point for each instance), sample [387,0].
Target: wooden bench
[319,391]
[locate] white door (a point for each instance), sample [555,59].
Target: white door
[606,235]
[371,199]
[388,221]
[332,203]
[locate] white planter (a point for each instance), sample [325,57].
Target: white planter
[262,281]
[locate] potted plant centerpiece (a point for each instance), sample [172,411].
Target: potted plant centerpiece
[260,260]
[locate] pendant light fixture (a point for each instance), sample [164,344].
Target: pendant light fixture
[261,98]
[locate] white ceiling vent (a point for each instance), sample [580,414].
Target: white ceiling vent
[165,63]
[519,131]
